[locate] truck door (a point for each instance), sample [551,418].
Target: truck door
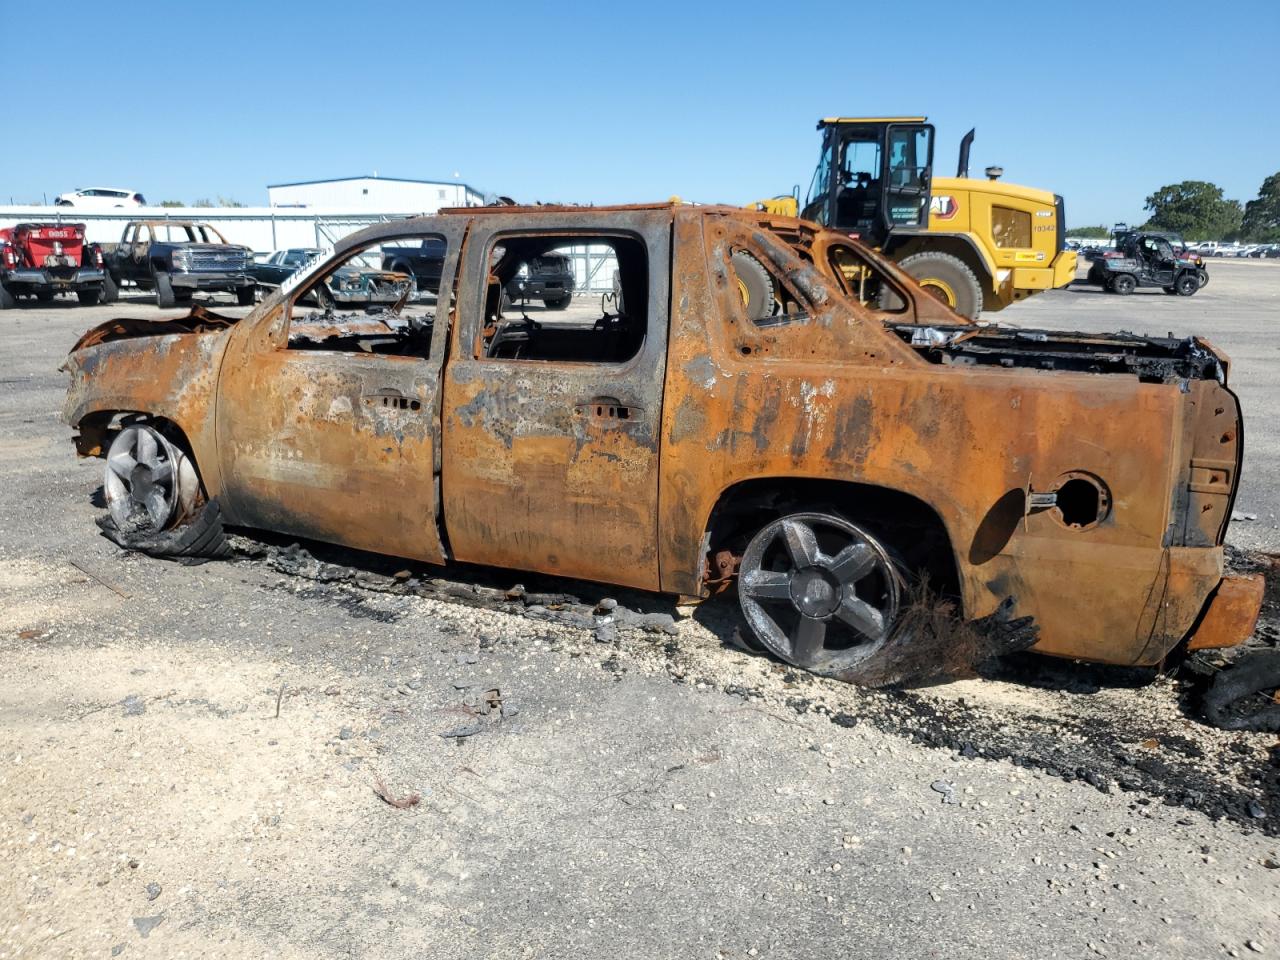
[907,174]
[552,412]
[328,406]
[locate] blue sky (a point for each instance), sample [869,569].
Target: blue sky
[624,102]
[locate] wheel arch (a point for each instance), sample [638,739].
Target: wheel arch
[97,427]
[909,525]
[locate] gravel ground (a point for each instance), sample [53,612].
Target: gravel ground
[193,752]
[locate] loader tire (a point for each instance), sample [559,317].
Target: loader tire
[754,285]
[948,279]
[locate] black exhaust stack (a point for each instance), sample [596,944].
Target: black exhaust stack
[965,144]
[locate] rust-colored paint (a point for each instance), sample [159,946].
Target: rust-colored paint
[1232,613]
[525,464]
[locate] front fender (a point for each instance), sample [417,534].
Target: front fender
[172,376]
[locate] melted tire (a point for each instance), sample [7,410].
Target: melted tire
[199,539]
[1241,695]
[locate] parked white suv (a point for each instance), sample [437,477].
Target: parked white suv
[101,198]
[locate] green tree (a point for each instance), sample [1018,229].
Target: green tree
[203,202]
[1262,216]
[1089,233]
[172,203]
[228,202]
[1195,209]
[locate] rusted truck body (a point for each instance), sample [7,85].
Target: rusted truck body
[828,454]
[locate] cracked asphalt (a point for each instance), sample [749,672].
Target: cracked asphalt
[191,753]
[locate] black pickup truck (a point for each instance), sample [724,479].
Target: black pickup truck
[423,261]
[548,278]
[175,258]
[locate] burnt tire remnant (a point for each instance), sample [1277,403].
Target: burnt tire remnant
[1242,695]
[199,539]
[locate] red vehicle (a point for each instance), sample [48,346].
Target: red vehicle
[42,259]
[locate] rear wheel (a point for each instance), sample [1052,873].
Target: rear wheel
[164,291]
[245,296]
[88,297]
[818,591]
[1123,284]
[110,292]
[7,300]
[1187,284]
[560,304]
[947,279]
[44,296]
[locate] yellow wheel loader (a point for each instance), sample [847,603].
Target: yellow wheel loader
[975,244]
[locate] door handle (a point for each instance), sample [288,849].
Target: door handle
[607,408]
[392,399]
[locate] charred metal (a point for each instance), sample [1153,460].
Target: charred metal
[761,402]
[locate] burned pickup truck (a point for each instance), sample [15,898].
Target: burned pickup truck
[827,455]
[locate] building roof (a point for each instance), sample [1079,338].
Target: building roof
[433,183]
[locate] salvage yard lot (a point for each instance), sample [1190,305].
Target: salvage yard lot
[192,752]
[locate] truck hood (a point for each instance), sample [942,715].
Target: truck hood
[1150,359]
[199,320]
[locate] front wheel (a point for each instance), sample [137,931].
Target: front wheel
[948,279]
[560,304]
[245,296]
[110,291]
[7,300]
[1203,276]
[1187,284]
[164,292]
[154,499]
[819,592]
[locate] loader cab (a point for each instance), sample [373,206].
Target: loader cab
[873,176]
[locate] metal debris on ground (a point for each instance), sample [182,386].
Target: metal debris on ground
[946,788]
[384,794]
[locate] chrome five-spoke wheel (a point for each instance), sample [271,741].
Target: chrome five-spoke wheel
[818,591]
[149,483]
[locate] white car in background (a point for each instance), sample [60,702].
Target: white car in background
[101,198]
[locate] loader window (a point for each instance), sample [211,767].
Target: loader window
[821,177]
[575,299]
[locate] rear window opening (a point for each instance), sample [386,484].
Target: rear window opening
[532,311]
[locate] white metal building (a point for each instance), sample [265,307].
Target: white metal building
[375,193]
